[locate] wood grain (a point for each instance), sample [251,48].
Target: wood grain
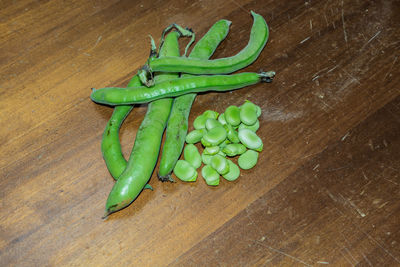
[325,191]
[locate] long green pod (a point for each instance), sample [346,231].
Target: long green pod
[258,38]
[146,148]
[177,126]
[178,87]
[110,144]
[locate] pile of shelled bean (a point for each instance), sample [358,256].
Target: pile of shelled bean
[169,82]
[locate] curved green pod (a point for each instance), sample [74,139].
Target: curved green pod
[177,126]
[147,144]
[258,38]
[110,144]
[178,87]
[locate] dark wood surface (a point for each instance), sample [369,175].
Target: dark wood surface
[325,190]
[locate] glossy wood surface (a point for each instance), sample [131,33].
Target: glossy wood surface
[324,192]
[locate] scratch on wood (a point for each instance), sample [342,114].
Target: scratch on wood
[98,40]
[391,67]
[344,255]
[322,262]
[370,40]
[305,40]
[365,176]
[379,245]
[345,136]
[285,254]
[344,26]
[366,259]
[332,69]
[359,211]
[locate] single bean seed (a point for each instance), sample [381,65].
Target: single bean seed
[253,127]
[234,171]
[232,150]
[248,113]
[220,164]
[231,133]
[221,153]
[192,155]
[195,136]
[212,123]
[221,118]
[206,158]
[185,171]
[211,150]
[214,137]
[210,175]
[200,121]
[258,111]
[232,115]
[248,159]
[250,139]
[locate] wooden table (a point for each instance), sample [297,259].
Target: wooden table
[325,190]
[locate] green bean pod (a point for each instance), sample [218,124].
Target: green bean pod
[146,148]
[110,144]
[177,126]
[258,38]
[178,87]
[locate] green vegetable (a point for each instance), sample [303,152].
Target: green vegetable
[146,148]
[248,159]
[210,175]
[185,171]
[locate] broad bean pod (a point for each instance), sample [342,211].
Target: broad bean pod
[110,144]
[177,126]
[178,87]
[258,38]
[146,148]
